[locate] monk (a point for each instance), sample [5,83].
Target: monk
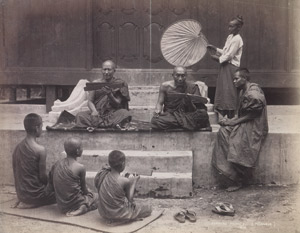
[29,167]
[68,178]
[239,139]
[116,192]
[177,113]
[108,106]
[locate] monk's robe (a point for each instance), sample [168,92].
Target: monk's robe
[29,187]
[68,192]
[178,114]
[113,203]
[240,145]
[110,114]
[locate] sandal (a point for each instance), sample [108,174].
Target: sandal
[234,188]
[190,215]
[180,216]
[90,129]
[224,209]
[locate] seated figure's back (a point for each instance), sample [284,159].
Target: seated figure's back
[29,166]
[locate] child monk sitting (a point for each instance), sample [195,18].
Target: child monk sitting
[116,192]
[68,177]
[29,167]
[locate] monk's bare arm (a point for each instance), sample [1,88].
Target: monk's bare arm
[82,174]
[42,165]
[115,99]
[130,187]
[161,99]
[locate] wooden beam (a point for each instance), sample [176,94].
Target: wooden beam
[50,97]
[136,77]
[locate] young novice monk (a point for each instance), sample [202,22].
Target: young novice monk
[68,178]
[29,167]
[116,192]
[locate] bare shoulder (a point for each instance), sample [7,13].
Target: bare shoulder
[166,85]
[98,80]
[38,148]
[123,181]
[78,168]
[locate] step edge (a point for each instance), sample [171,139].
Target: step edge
[161,175]
[133,153]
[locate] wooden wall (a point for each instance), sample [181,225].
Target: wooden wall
[58,42]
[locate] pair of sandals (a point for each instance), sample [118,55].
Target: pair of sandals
[182,215]
[224,209]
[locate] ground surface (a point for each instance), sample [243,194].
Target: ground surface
[258,209]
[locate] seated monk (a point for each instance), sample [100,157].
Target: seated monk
[116,192]
[108,106]
[239,139]
[29,167]
[174,113]
[68,178]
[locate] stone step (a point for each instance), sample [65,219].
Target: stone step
[145,113]
[23,108]
[144,95]
[171,185]
[142,161]
[142,113]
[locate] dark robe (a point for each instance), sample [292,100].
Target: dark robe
[29,187]
[113,203]
[177,113]
[240,145]
[226,97]
[110,114]
[68,192]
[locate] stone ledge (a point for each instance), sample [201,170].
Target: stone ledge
[164,185]
[279,160]
[140,161]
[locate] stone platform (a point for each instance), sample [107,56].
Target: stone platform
[279,160]
[154,168]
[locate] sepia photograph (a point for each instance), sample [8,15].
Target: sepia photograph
[150,116]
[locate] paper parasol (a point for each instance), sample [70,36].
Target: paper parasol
[183,44]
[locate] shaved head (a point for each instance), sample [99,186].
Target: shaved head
[179,75]
[109,63]
[179,69]
[73,146]
[31,122]
[116,159]
[243,72]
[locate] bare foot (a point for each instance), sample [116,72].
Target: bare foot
[15,205]
[22,205]
[81,210]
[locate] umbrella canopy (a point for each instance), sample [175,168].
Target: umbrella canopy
[183,44]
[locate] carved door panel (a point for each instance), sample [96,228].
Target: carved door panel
[105,30]
[129,31]
[155,16]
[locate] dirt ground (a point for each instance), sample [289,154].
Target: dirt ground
[258,209]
